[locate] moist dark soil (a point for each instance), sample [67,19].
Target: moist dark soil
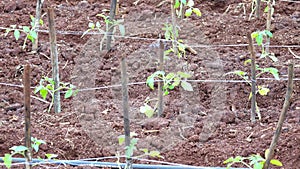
[201,128]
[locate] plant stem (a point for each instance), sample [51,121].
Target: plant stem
[174,27]
[282,115]
[253,80]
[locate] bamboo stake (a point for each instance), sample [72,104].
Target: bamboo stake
[54,58]
[253,80]
[282,117]
[126,109]
[110,28]
[160,84]
[38,9]
[27,115]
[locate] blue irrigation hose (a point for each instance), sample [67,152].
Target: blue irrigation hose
[108,164]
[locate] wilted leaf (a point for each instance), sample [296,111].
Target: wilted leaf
[276,162]
[186,86]
[197,11]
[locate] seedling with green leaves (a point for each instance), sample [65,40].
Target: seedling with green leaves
[254,161]
[259,37]
[263,91]
[29,31]
[47,87]
[132,147]
[108,25]
[181,4]
[21,151]
[170,81]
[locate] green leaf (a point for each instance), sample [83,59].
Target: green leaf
[33,34]
[197,11]
[268,33]
[248,61]
[41,22]
[186,86]
[19,148]
[17,34]
[98,25]
[254,35]
[183,1]
[37,89]
[250,95]
[154,154]
[258,165]
[69,93]
[91,25]
[166,92]
[170,76]
[150,82]
[267,151]
[122,30]
[188,12]
[146,151]
[190,3]
[51,156]
[176,81]
[177,4]
[273,71]
[276,162]
[184,74]
[147,110]
[263,91]
[266,9]
[7,160]
[259,39]
[26,29]
[43,93]
[121,139]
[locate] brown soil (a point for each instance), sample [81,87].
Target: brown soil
[201,128]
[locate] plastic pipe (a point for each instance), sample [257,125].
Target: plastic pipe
[109,164]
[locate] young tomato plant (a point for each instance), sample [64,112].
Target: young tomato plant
[108,25]
[21,151]
[259,38]
[29,31]
[179,7]
[254,161]
[170,81]
[261,90]
[47,87]
[132,147]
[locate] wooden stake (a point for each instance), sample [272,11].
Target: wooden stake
[112,13]
[282,117]
[253,80]
[126,109]
[27,115]
[160,84]
[268,26]
[37,23]
[54,58]
[257,10]
[174,27]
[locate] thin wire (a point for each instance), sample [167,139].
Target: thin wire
[140,83]
[155,39]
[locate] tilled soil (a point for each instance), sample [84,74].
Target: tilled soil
[201,128]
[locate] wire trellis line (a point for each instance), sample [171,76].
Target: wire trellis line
[140,83]
[80,33]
